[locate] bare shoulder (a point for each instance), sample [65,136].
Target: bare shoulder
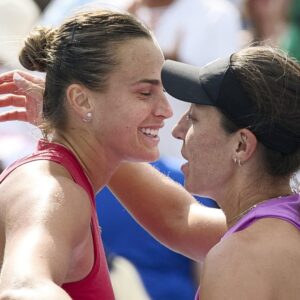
[43,193]
[230,271]
[44,217]
[251,264]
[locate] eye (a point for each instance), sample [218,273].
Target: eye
[190,117]
[146,93]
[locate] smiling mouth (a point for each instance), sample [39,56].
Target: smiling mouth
[150,132]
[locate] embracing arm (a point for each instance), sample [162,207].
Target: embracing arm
[44,224]
[162,206]
[167,210]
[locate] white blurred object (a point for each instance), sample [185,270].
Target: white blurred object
[17,17]
[14,145]
[58,10]
[199,30]
[126,280]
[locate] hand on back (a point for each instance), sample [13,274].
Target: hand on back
[24,92]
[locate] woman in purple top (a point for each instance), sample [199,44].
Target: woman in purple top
[241,141]
[242,144]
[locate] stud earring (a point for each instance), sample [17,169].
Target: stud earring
[87,118]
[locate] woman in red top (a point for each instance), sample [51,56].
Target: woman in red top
[102,81]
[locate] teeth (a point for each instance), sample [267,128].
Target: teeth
[149,131]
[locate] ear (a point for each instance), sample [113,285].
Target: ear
[246,145]
[77,97]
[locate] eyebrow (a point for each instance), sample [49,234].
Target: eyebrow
[150,81]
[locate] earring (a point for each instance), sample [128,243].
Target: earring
[238,161]
[87,118]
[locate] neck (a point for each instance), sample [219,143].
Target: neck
[238,204]
[93,158]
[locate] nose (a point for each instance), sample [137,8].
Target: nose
[181,128]
[164,108]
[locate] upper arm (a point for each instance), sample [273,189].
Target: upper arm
[232,271]
[205,228]
[43,223]
[167,210]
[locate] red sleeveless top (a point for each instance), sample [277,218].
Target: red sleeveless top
[96,285]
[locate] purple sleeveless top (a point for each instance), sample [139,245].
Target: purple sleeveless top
[285,208]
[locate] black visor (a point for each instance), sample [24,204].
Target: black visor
[216,84]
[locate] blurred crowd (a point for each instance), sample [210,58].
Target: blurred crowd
[191,31]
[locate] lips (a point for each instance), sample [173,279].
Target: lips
[183,154]
[150,135]
[184,168]
[150,132]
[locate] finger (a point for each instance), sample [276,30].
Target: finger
[13,116]
[29,77]
[8,77]
[13,100]
[21,87]
[27,87]
[8,88]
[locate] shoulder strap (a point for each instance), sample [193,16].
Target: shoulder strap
[61,155]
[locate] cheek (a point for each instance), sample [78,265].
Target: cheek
[201,143]
[207,152]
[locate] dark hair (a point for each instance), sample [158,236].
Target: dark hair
[272,81]
[82,50]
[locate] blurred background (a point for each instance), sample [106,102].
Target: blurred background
[191,31]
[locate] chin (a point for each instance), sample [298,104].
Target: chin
[146,157]
[188,187]
[152,155]
[191,189]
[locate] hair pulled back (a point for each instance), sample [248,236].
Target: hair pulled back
[82,50]
[33,56]
[272,81]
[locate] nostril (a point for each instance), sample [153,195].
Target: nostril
[175,134]
[177,137]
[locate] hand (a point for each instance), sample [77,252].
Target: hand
[24,91]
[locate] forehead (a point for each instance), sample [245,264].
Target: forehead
[206,111]
[139,58]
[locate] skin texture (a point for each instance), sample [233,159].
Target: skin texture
[136,95]
[260,262]
[51,243]
[207,148]
[244,266]
[24,91]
